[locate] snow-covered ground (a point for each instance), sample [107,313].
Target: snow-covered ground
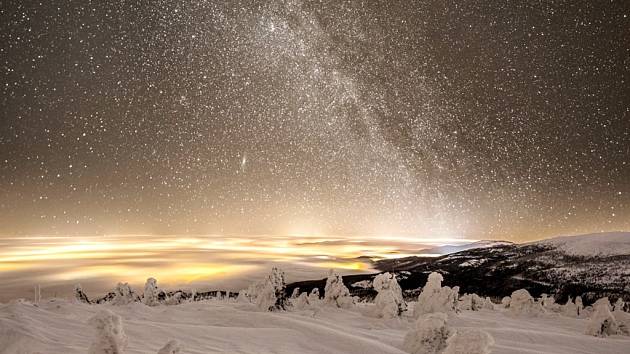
[226,326]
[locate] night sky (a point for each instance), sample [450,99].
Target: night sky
[495,119]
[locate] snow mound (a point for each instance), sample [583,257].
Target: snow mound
[429,335]
[469,341]
[110,336]
[601,244]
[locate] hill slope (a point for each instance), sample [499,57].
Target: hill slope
[591,266]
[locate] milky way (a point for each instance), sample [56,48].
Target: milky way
[427,118]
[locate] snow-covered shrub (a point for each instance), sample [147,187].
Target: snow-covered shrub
[579,305]
[488,304]
[295,293]
[428,336]
[252,292]
[174,299]
[619,305]
[505,302]
[602,322]
[471,302]
[110,336]
[336,293]
[172,347]
[522,303]
[389,301]
[123,294]
[469,341]
[569,309]
[79,295]
[314,297]
[150,296]
[623,321]
[301,302]
[465,303]
[273,295]
[436,298]
[622,317]
[549,303]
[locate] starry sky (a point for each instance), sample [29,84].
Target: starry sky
[429,118]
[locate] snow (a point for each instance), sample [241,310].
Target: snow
[172,347]
[226,326]
[600,244]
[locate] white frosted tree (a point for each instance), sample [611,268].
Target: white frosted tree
[110,337]
[79,294]
[522,303]
[472,302]
[549,303]
[123,294]
[336,293]
[469,341]
[172,347]
[429,335]
[602,323]
[579,305]
[313,297]
[389,300]
[619,304]
[505,302]
[569,309]
[622,317]
[150,296]
[273,296]
[243,296]
[436,298]
[301,302]
[488,304]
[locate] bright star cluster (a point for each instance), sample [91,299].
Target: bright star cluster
[427,118]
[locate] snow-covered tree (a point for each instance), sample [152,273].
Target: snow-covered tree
[436,298]
[273,295]
[301,302]
[579,305]
[522,303]
[622,317]
[243,296]
[505,302]
[569,309]
[150,296]
[313,297]
[619,305]
[469,341]
[429,335]
[389,300]
[471,302]
[175,298]
[110,336]
[80,295]
[336,293]
[549,303]
[172,347]
[602,322]
[123,294]
[295,293]
[488,304]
